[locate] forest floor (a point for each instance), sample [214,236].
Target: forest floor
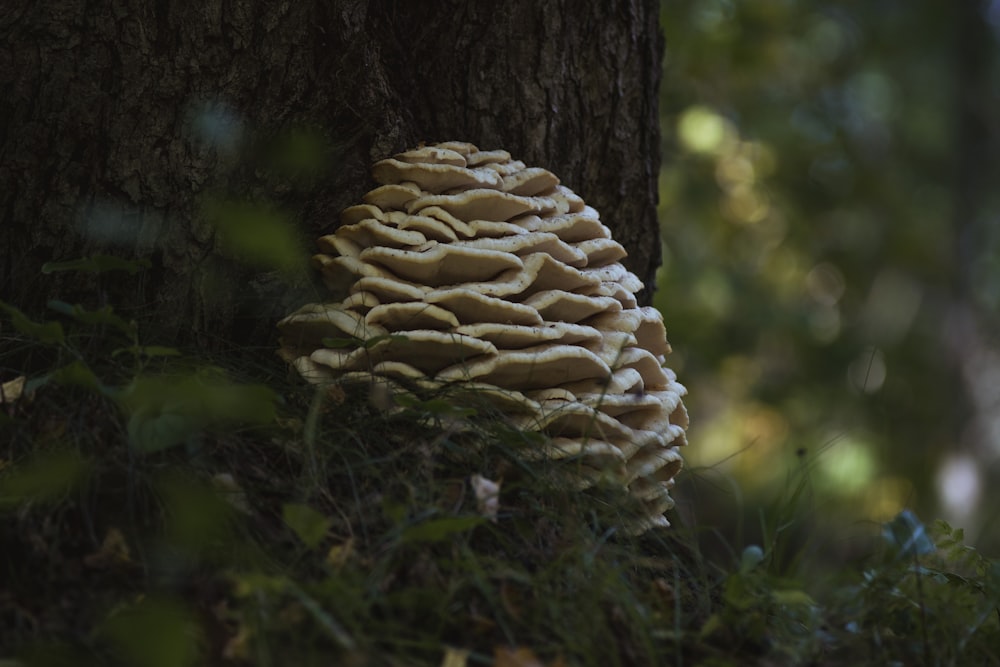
[160,509]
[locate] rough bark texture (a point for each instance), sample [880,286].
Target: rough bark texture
[105,105]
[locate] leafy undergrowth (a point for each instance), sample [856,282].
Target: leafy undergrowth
[159,509]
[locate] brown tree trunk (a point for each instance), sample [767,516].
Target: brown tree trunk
[119,118]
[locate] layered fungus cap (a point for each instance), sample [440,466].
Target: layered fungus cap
[468,269]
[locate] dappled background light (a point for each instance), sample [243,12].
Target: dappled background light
[828,310]
[215,123]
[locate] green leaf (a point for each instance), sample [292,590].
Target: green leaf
[438,530]
[324,618]
[310,525]
[394,511]
[350,342]
[712,624]
[249,584]
[148,351]
[78,374]
[907,537]
[517,438]
[165,411]
[159,351]
[793,598]
[197,517]
[98,264]
[341,343]
[992,578]
[46,477]
[155,633]
[739,594]
[102,316]
[151,433]
[50,333]
[374,340]
[434,406]
[258,234]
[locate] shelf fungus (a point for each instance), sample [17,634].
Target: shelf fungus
[472,274]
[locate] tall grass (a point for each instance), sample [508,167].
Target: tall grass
[164,509]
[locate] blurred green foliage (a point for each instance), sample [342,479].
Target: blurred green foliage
[309,525]
[812,261]
[169,410]
[814,202]
[258,234]
[154,632]
[142,526]
[45,478]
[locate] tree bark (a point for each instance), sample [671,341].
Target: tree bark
[119,118]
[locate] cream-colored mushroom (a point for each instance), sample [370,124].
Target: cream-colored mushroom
[505,169]
[570,227]
[410,315]
[529,243]
[359,212]
[622,381]
[472,276]
[472,228]
[370,232]
[389,289]
[477,157]
[427,350]
[430,227]
[433,155]
[436,264]
[434,177]
[482,204]
[311,323]
[515,336]
[530,181]
[601,251]
[558,305]
[394,196]
[543,365]
[471,306]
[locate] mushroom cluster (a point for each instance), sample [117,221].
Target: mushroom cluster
[466,268]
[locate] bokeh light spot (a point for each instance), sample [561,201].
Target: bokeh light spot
[825,324]
[714,293]
[848,466]
[959,485]
[734,170]
[702,130]
[870,96]
[826,39]
[825,284]
[891,307]
[886,497]
[868,371]
[745,204]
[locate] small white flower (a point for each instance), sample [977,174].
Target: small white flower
[487,496]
